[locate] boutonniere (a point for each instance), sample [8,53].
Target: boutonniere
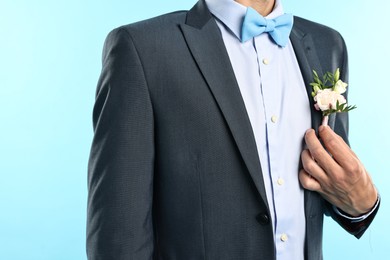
[327,94]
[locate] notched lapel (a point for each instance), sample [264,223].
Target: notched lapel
[308,61]
[206,45]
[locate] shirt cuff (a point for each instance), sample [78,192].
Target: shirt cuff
[360,218]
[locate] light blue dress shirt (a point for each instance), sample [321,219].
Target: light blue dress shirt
[277,103]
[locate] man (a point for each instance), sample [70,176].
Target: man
[198,151]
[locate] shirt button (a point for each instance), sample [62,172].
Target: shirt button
[274,119]
[265,61]
[280,181]
[284,237]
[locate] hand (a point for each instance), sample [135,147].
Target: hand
[336,173]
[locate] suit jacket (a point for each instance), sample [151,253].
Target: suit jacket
[174,171]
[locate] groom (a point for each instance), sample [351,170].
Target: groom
[201,148]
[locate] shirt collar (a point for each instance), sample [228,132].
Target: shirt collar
[232,14]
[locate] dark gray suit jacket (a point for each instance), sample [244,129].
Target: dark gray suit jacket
[174,171]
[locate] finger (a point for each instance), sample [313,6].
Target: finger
[309,182]
[340,151]
[318,152]
[312,168]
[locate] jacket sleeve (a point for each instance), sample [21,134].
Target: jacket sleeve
[121,164]
[356,228]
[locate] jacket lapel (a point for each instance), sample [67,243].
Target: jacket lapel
[206,45]
[308,61]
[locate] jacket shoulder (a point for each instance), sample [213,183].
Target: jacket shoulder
[329,45]
[156,25]
[150,32]
[319,32]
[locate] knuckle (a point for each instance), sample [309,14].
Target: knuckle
[304,154]
[317,152]
[354,167]
[308,182]
[305,182]
[332,143]
[337,179]
[310,166]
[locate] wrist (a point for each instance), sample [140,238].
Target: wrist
[361,217]
[365,206]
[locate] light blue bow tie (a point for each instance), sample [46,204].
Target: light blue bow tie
[254,24]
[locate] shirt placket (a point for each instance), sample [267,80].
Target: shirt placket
[271,90]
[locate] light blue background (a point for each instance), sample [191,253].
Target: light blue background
[49,64]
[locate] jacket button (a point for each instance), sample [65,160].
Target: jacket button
[263,218]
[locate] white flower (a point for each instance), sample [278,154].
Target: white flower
[340,87]
[327,99]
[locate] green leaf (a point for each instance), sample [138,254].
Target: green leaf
[349,108]
[330,78]
[316,78]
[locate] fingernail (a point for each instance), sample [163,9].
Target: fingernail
[309,130]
